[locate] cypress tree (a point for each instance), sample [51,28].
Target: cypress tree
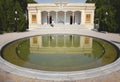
[9,19]
[107,13]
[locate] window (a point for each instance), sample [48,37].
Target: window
[88,17]
[87,40]
[34,18]
[35,40]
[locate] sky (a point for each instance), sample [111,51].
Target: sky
[50,1]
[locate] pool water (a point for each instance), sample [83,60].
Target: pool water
[55,52]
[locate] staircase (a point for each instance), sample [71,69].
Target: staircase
[63,26]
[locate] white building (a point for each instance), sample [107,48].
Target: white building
[81,14]
[61,44]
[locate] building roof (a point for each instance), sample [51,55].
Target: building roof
[90,6]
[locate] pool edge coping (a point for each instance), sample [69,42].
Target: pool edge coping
[78,75]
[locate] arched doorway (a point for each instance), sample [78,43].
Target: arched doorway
[52,17]
[69,18]
[50,20]
[44,16]
[61,17]
[77,17]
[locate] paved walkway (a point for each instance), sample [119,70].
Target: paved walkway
[9,77]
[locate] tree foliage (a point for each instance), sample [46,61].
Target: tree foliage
[107,11]
[6,8]
[10,20]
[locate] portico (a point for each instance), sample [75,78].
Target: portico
[63,17]
[65,14]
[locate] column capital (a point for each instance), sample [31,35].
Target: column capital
[73,11]
[39,11]
[48,13]
[64,11]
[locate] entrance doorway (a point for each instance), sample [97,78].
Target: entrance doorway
[71,18]
[50,20]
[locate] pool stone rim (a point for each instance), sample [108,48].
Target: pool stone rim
[58,76]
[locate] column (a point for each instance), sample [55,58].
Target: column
[56,40]
[30,18]
[49,40]
[39,41]
[82,42]
[48,18]
[73,17]
[56,17]
[38,17]
[92,17]
[65,17]
[72,41]
[64,42]
[83,17]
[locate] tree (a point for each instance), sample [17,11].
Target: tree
[6,16]
[106,13]
[9,19]
[21,6]
[20,17]
[31,1]
[116,5]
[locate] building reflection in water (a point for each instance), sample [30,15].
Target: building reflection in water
[60,52]
[61,44]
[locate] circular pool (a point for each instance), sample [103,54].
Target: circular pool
[56,52]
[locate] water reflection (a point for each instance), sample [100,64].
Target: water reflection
[60,52]
[61,44]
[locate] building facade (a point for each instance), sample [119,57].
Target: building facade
[61,44]
[61,13]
